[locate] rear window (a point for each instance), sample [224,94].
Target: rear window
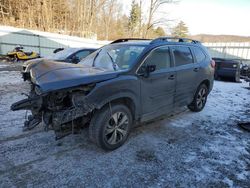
[182,55]
[200,56]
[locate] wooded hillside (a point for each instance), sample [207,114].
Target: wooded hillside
[84,18]
[220,38]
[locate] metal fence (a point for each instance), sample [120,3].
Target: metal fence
[41,42]
[238,51]
[44,43]
[30,42]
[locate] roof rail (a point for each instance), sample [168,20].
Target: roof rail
[176,39]
[127,39]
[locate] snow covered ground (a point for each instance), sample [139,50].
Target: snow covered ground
[205,149]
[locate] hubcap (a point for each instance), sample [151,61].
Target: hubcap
[116,128]
[201,98]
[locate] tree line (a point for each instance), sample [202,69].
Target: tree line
[86,18]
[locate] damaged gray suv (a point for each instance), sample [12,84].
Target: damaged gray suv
[120,85]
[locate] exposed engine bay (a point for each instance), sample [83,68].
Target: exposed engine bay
[65,111]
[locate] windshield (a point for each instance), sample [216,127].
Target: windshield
[62,55]
[114,57]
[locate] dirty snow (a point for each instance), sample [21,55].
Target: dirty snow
[205,149]
[3,65]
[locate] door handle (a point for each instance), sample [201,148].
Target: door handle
[171,77]
[196,69]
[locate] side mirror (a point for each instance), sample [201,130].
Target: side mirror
[75,59]
[151,68]
[146,70]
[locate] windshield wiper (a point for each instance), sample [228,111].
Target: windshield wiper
[113,62]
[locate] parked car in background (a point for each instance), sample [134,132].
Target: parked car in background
[245,71]
[227,68]
[124,83]
[69,55]
[58,50]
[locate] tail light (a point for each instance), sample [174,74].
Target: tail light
[212,63]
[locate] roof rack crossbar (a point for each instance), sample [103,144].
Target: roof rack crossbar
[178,39]
[127,39]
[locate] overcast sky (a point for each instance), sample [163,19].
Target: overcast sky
[229,17]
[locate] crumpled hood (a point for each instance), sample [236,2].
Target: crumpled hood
[34,62]
[30,63]
[51,76]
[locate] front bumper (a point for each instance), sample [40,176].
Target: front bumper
[62,121]
[230,73]
[27,104]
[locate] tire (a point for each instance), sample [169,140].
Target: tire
[109,127]
[216,77]
[200,99]
[237,78]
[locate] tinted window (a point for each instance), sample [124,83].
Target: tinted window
[159,57]
[200,56]
[182,55]
[82,54]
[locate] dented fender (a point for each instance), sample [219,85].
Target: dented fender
[118,88]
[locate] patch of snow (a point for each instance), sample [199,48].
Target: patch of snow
[192,156]
[188,149]
[229,182]
[10,77]
[3,65]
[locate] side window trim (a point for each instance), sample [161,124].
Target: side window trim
[149,53]
[193,51]
[173,57]
[194,56]
[72,55]
[191,54]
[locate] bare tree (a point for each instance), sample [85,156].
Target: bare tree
[108,11]
[85,18]
[153,8]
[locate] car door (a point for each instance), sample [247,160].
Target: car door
[201,61]
[158,89]
[186,74]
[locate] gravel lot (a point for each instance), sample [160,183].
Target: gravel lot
[205,149]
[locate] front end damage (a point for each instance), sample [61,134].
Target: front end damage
[64,111]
